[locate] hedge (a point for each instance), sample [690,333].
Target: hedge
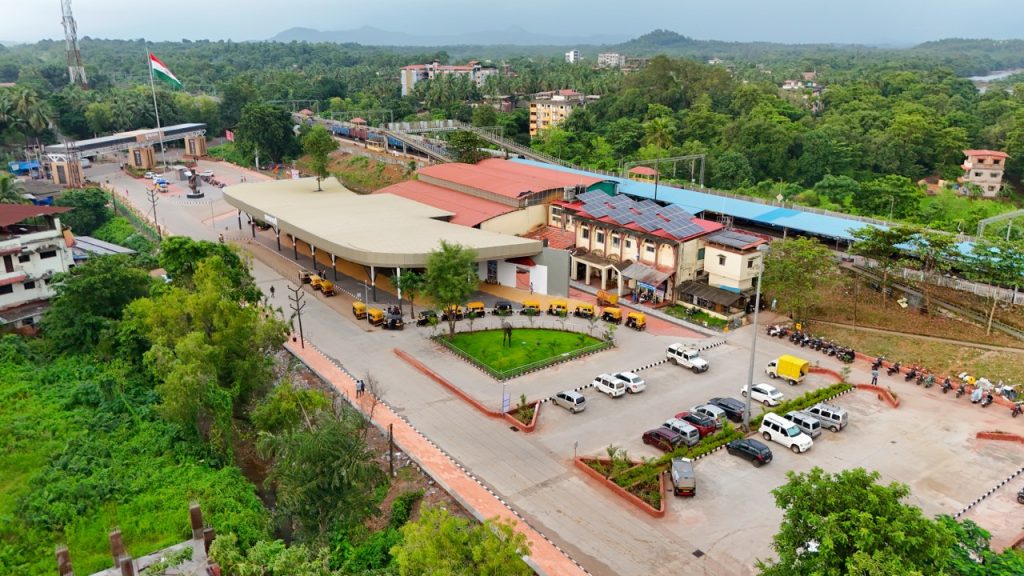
[805,401]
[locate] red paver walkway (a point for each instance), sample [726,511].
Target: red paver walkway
[545,557]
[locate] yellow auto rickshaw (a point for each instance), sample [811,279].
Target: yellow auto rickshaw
[584,311]
[359,310]
[316,282]
[558,308]
[636,320]
[452,311]
[475,310]
[530,308]
[327,287]
[612,314]
[305,276]
[376,316]
[607,298]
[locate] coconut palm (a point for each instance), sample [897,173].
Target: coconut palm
[11,191]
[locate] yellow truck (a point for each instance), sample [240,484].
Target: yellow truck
[789,368]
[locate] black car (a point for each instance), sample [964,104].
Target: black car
[732,407]
[750,449]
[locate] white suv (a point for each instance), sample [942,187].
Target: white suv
[610,385]
[633,382]
[764,393]
[778,429]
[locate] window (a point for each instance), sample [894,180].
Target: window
[994,174]
[600,236]
[615,240]
[649,248]
[6,289]
[750,263]
[995,162]
[721,260]
[981,160]
[977,174]
[700,254]
[24,258]
[585,234]
[30,285]
[991,188]
[629,244]
[48,254]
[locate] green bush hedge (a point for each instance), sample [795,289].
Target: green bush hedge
[805,401]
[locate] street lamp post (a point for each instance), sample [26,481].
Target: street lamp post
[763,249]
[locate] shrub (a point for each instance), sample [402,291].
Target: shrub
[401,508]
[805,401]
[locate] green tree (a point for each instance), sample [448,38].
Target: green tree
[89,210]
[451,277]
[318,144]
[411,285]
[100,117]
[180,256]
[995,262]
[288,407]
[89,302]
[882,246]
[268,558]
[209,353]
[972,555]
[439,543]
[485,116]
[265,131]
[846,523]
[934,253]
[324,474]
[731,170]
[799,272]
[465,146]
[660,132]
[11,190]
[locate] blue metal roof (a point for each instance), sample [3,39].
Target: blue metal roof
[696,202]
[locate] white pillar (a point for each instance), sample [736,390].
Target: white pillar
[604,278]
[618,282]
[398,283]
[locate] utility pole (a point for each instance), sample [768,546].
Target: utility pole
[152,195]
[297,304]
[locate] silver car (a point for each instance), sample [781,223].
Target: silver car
[572,401]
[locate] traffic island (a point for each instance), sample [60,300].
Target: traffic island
[641,485]
[524,417]
[507,353]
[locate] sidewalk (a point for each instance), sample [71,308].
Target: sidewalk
[545,557]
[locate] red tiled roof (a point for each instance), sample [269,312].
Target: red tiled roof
[995,153]
[504,178]
[643,171]
[469,210]
[14,213]
[556,237]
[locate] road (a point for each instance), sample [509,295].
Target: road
[731,525]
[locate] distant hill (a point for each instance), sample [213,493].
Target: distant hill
[369,36]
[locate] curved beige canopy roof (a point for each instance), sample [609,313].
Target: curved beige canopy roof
[373,230]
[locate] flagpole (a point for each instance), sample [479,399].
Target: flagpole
[156,109]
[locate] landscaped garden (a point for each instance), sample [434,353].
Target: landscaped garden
[695,316]
[531,348]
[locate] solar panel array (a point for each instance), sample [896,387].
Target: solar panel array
[648,215]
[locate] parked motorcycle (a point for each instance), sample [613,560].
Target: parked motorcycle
[1016,410]
[877,363]
[893,368]
[929,381]
[1020,496]
[911,374]
[961,390]
[986,400]
[947,386]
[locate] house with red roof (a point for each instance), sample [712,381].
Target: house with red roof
[32,250]
[984,168]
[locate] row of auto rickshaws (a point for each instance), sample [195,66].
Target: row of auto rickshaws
[388,319]
[317,282]
[612,314]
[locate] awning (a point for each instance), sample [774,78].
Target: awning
[645,274]
[709,293]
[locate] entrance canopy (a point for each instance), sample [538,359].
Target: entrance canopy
[645,274]
[373,230]
[710,293]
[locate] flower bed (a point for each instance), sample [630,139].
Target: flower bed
[644,488]
[524,417]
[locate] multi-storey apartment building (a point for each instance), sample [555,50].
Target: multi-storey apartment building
[552,108]
[33,249]
[985,169]
[414,73]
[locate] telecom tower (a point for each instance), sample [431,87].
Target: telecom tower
[76,71]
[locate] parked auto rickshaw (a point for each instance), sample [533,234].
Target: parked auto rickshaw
[426,318]
[503,308]
[475,310]
[359,310]
[584,311]
[530,308]
[607,298]
[455,310]
[327,287]
[558,308]
[612,314]
[376,316]
[636,320]
[316,282]
[305,276]
[394,320]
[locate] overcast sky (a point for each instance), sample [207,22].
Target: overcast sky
[795,21]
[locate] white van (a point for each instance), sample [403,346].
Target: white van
[805,422]
[778,429]
[690,434]
[610,385]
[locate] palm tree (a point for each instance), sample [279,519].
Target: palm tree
[660,132]
[11,191]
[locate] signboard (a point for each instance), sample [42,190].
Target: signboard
[270,220]
[506,400]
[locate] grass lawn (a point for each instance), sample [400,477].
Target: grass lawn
[529,347]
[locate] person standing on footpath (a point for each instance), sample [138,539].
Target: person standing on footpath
[874,376]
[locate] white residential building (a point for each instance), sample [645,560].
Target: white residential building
[984,168]
[33,249]
[573,56]
[413,73]
[610,60]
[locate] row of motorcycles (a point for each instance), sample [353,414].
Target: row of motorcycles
[805,340]
[981,395]
[212,181]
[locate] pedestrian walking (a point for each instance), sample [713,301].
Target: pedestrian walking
[271,291]
[360,387]
[874,376]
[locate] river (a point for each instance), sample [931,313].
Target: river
[982,81]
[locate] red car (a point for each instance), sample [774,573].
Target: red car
[703,424]
[663,439]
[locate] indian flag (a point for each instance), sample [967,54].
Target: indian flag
[161,71]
